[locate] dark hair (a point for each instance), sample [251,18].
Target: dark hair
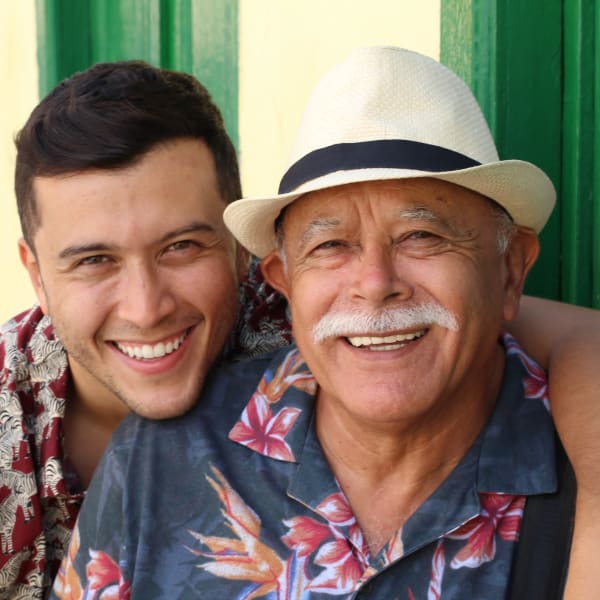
[109,117]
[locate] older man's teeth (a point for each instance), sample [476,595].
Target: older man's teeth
[384,342]
[150,351]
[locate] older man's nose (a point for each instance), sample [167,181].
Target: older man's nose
[378,278]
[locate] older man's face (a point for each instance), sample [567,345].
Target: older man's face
[398,291]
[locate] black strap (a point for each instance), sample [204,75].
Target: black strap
[542,556]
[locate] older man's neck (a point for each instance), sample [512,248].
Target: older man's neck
[388,471]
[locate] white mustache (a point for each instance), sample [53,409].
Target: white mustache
[358,322]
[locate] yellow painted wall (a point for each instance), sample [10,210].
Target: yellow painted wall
[285,47]
[18,72]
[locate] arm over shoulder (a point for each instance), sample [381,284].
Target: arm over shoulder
[566,340]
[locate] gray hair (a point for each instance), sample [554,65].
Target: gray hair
[505,227]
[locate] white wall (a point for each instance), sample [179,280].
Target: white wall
[18,71]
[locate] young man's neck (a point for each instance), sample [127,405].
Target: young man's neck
[92,413]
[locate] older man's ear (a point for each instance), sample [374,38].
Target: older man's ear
[518,259]
[274,269]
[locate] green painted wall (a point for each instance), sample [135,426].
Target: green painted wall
[197,36]
[535,68]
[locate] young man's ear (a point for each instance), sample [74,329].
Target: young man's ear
[275,271]
[30,262]
[520,256]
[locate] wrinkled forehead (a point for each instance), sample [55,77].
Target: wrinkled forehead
[423,199]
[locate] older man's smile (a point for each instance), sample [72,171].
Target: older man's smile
[385,342]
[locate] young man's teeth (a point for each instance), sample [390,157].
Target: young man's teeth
[385,342]
[148,351]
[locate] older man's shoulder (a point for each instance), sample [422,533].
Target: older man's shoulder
[225,394]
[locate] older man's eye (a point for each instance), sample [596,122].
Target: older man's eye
[422,235]
[330,244]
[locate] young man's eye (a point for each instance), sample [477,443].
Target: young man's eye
[182,245]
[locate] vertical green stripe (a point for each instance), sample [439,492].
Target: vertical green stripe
[578,167]
[595,158]
[125,29]
[529,107]
[485,64]
[63,33]
[215,55]
[509,53]
[176,33]
[196,36]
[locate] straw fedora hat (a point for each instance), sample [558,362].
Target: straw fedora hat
[389,113]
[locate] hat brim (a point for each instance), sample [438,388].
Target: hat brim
[523,189]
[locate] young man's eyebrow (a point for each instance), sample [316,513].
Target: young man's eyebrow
[77,249]
[99,247]
[195,227]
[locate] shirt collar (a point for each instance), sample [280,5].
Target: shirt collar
[517,446]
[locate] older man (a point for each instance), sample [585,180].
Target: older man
[393,452]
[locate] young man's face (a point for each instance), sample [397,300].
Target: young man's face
[139,275]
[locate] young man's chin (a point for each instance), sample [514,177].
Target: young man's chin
[161,405]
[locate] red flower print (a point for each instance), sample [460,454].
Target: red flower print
[258,428]
[342,568]
[342,571]
[104,577]
[438,566]
[264,432]
[395,548]
[535,383]
[246,558]
[500,514]
[336,508]
[305,535]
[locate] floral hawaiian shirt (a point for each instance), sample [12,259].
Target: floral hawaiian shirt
[40,496]
[236,501]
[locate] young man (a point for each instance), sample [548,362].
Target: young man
[393,452]
[122,176]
